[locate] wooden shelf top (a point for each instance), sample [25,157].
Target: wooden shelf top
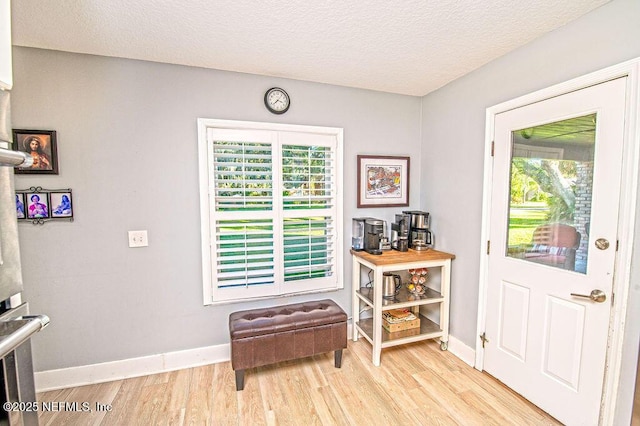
[391,257]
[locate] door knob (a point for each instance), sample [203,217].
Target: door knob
[596,295]
[602,243]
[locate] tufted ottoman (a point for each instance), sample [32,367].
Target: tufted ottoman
[269,335]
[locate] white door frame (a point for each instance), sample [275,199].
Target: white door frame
[626,220]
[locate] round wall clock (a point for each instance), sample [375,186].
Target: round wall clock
[277,100]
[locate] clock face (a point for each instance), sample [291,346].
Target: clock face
[277,100]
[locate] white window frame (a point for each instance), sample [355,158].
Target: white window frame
[267,132]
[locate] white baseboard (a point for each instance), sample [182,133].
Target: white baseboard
[462,351]
[153,364]
[132,367]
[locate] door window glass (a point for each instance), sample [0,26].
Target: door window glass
[551,185]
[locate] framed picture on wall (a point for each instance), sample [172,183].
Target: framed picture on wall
[37,205]
[42,146]
[61,205]
[20,210]
[383,181]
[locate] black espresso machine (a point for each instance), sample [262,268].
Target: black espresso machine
[400,232]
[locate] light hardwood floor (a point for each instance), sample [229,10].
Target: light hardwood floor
[416,384]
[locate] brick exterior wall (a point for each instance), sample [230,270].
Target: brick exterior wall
[582,215]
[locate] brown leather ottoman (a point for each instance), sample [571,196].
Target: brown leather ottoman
[282,333]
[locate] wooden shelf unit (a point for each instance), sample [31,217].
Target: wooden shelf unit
[394,261]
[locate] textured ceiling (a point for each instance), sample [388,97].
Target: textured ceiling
[409,47]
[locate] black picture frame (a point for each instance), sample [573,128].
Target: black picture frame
[38,208]
[45,156]
[61,204]
[21,211]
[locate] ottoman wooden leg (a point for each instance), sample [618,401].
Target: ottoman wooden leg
[239,380]
[337,356]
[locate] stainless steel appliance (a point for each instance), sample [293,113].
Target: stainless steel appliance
[400,232]
[385,243]
[16,325]
[420,237]
[375,231]
[390,285]
[357,233]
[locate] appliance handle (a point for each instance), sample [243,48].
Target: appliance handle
[397,279]
[25,328]
[15,158]
[44,320]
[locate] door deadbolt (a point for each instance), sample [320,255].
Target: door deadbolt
[602,243]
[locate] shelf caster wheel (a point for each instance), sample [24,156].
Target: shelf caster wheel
[444,346]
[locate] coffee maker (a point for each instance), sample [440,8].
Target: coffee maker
[420,237]
[400,232]
[375,239]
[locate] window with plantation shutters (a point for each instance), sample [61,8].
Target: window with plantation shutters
[271,209]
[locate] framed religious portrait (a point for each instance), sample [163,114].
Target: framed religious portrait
[20,209]
[383,181]
[41,145]
[37,205]
[61,205]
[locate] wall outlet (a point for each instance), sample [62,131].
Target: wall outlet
[138,239]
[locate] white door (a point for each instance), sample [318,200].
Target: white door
[553,231]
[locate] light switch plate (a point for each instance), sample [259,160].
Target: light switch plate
[138,239]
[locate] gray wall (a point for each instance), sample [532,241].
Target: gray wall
[127,145]
[453,126]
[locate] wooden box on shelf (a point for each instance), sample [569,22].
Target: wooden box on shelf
[392,328]
[399,319]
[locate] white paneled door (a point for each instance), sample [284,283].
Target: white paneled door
[553,231]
